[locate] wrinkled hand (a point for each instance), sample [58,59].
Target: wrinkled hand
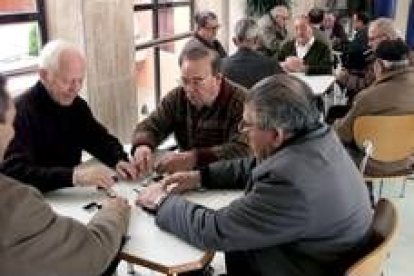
[152,196]
[93,176]
[171,162]
[143,160]
[182,181]
[126,170]
[118,203]
[294,64]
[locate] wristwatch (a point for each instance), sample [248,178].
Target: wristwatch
[160,200]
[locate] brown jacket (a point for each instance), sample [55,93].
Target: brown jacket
[392,94]
[36,241]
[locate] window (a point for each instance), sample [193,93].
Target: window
[23,29]
[161,28]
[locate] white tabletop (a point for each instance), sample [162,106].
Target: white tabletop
[318,83]
[148,245]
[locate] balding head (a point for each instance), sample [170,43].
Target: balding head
[303,31]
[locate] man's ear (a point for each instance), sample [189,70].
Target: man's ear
[278,137]
[43,74]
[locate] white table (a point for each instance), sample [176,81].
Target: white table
[148,245]
[318,83]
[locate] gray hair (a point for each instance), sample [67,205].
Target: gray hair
[49,57]
[202,17]
[196,51]
[284,101]
[385,27]
[246,29]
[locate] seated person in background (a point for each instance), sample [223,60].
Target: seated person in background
[53,125]
[203,113]
[206,32]
[315,17]
[391,94]
[246,66]
[305,208]
[334,31]
[272,30]
[36,241]
[304,53]
[360,24]
[357,72]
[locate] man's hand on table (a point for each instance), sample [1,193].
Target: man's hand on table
[152,197]
[143,160]
[182,181]
[126,170]
[170,162]
[98,176]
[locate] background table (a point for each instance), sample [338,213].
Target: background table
[147,244]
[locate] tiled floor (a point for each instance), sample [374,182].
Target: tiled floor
[401,262]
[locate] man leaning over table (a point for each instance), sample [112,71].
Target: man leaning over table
[305,209]
[202,113]
[36,241]
[53,125]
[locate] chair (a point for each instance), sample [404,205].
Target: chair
[385,227]
[385,139]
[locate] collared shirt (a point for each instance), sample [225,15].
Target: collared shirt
[302,50]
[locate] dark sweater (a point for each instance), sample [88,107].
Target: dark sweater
[49,140]
[246,67]
[318,59]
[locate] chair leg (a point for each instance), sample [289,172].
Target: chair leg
[130,269]
[380,189]
[402,192]
[370,188]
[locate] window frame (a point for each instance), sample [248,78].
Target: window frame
[38,16]
[156,40]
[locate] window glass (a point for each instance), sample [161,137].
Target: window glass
[17,6]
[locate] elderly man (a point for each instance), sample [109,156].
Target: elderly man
[36,241]
[305,53]
[334,31]
[391,94]
[203,113]
[247,66]
[206,32]
[273,32]
[53,125]
[305,209]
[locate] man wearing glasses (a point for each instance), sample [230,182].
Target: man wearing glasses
[206,32]
[202,113]
[305,208]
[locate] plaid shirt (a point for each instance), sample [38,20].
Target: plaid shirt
[211,132]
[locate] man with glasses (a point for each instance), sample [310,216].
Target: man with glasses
[202,113]
[273,30]
[206,32]
[305,209]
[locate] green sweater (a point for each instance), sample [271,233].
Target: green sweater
[318,59]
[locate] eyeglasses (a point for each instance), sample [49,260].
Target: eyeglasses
[194,82]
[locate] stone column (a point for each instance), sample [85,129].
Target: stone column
[104,30]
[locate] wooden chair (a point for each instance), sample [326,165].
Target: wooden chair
[385,139]
[385,228]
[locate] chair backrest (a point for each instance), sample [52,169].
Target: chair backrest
[385,228]
[392,137]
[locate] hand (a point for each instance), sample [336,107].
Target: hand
[126,170]
[118,203]
[143,160]
[152,196]
[294,64]
[93,176]
[171,162]
[182,181]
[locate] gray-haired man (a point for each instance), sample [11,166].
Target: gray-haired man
[305,208]
[247,66]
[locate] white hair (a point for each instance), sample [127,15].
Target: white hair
[49,57]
